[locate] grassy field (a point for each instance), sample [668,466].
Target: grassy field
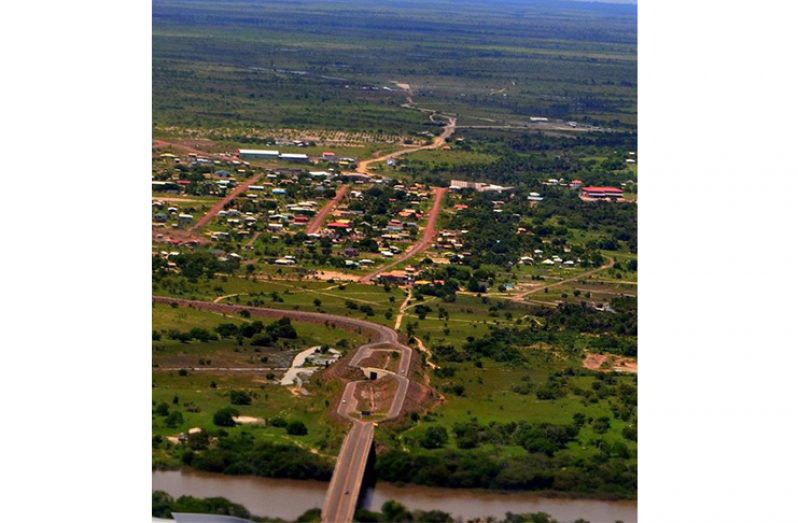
[287,294]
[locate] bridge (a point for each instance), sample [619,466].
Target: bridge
[344,489]
[347,481]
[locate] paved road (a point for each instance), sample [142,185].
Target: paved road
[315,224]
[421,245]
[340,503]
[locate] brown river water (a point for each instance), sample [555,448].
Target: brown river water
[287,499]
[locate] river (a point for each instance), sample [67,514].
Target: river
[287,499]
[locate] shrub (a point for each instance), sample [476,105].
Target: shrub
[224,417]
[175,419]
[239,397]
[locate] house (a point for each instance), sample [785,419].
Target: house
[601,193]
[398,277]
[534,198]
[356,177]
[328,156]
[185,218]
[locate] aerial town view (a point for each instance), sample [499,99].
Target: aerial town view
[394,261]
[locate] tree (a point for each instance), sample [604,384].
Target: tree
[224,417]
[296,428]
[162,409]
[434,438]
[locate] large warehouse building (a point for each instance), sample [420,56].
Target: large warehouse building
[258,154]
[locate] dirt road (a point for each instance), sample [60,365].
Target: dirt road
[315,224]
[438,141]
[419,246]
[218,206]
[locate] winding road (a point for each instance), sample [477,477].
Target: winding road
[342,493]
[438,141]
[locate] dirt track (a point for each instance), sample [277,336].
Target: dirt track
[315,224]
[521,296]
[419,246]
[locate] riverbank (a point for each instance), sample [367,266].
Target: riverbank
[287,499]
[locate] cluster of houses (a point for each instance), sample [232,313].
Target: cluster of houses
[193,159]
[163,214]
[538,257]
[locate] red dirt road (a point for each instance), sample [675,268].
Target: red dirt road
[218,206]
[315,224]
[421,245]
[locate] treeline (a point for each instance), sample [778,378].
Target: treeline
[261,334]
[605,473]
[194,265]
[163,505]
[241,455]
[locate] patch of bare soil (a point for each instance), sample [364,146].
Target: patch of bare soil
[609,362]
[335,275]
[249,420]
[376,396]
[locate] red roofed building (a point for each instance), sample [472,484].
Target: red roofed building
[601,193]
[338,225]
